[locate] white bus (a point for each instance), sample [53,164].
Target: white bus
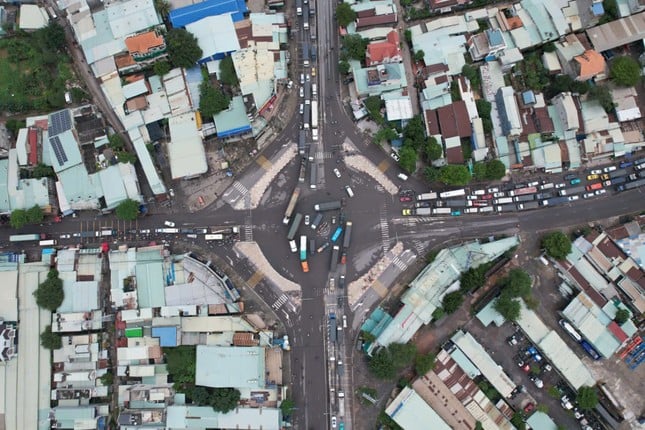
[214,237]
[314,114]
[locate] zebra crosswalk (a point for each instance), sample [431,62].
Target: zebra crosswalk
[385,230]
[248,231]
[240,187]
[324,155]
[400,264]
[281,301]
[419,246]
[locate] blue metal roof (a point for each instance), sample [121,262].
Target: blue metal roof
[495,37]
[598,9]
[189,14]
[528,97]
[167,335]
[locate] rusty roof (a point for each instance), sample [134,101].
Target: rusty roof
[144,42]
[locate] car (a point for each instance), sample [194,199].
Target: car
[405,198]
[406,192]
[455,213]
[573,198]
[290,84]
[145,231]
[487,197]
[333,422]
[600,192]
[402,176]
[472,197]
[479,192]
[76,235]
[471,210]
[171,192]
[526,368]
[341,426]
[512,341]
[492,190]
[333,219]
[169,223]
[307,219]
[406,212]
[595,172]
[537,381]
[578,415]
[593,177]
[293,246]
[307,78]
[529,407]
[575,181]
[65,236]
[547,367]
[302,92]
[609,169]
[313,72]
[588,195]
[569,177]
[499,194]
[395,156]
[534,183]
[201,230]
[302,108]
[337,172]
[626,164]
[302,78]
[560,185]
[341,282]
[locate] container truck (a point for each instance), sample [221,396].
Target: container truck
[523,191]
[453,193]
[316,222]
[47,242]
[327,206]
[507,208]
[313,182]
[594,187]
[294,226]
[426,196]
[525,198]
[314,114]
[291,206]
[459,203]
[617,181]
[299,7]
[528,205]
[303,171]
[503,200]
[423,211]
[26,237]
[441,211]
[303,253]
[571,191]
[218,236]
[590,350]
[335,250]
[614,174]
[302,141]
[346,241]
[631,185]
[554,201]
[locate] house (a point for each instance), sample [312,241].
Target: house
[32,17]
[375,13]
[186,149]
[445,6]
[184,15]
[387,51]
[588,65]
[626,101]
[374,81]
[489,44]
[567,111]
[508,111]
[215,36]
[145,47]
[408,408]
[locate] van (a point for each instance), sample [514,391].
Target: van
[402,176]
[349,190]
[293,246]
[314,89]
[191,236]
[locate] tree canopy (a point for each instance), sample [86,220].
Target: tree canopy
[508,306]
[287,407]
[161,68]
[343,67]
[517,283]
[183,49]
[415,132]
[495,170]
[387,361]
[227,72]
[373,105]
[424,363]
[225,399]
[354,45]
[211,100]
[35,214]
[50,294]
[622,316]
[18,218]
[454,174]
[433,149]
[602,94]
[452,301]
[625,71]
[345,14]
[128,210]
[408,158]
[418,56]
[587,397]
[556,244]
[473,278]
[181,364]
[50,340]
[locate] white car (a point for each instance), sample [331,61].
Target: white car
[595,172]
[599,192]
[302,92]
[493,190]
[302,108]
[499,194]
[394,155]
[333,422]
[171,192]
[471,210]
[588,195]
[573,198]
[337,173]
[560,185]
[169,223]
[302,78]
[293,246]
[290,84]
[472,197]
[65,236]
[609,169]
[479,192]
[308,78]
[145,231]
[307,219]
[534,183]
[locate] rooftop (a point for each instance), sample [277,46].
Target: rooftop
[144,42]
[234,366]
[186,149]
[408,409]
[618,32]
[130,16]
[215,36]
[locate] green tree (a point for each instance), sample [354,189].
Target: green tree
[472,279]
[452,301]
[381,365]
[227,72]
[51,37]
[603,96]
[126,157]
[418,56]
[402,354]
[343,67]
[407,34]
[386,133]
[18,218]
[415,131]
[438,314]
[479,171]
[225,399]
[518,421]
[211,100]
[345,15]
[35,215]
[479,426]
[42,171]
[386,423]
[200,395]
[484,108]
[556,244]
[14,125]
[508,307]
[181,364]
[163,8]
[408,158]
[287,406]
[432,174]
[116,142]
[107,379]
[455,92]
[433,149]
[161,68]
[355,45]
[625,71]
[373,106]
[423,363]
[495,170]
[454,174]
[472,74]
[587,397]
[50,340]
[517,283]
[128,210]
[49,294]
[183,49]
[622,316]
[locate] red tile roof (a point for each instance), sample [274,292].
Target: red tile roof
[455,155]
[370,21]
[144,42]
[617,332]
[587,288]
[33,146]
[377,52]
[609,248]
[454,120]
[432,122]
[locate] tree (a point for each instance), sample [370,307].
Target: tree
[287,406]
[587,397]
[603,96]
[51,37]
[415,131]
[622,316]
[433,149]
[495,170]
[484,108]
[345,14]
[472,74]
[50,340]
[163,8]
[408,36]
[479,425]
[438,314]
[431,174]
[183,49]
[408,158]
[373,106]
[200,395]
[386,133]
[472,279]
[508,307]
[625,71]
[517,283]
[354,45]
[418,56]
[126,157]
[161,68]
[343,67]
[14,125]
[424,363]
[518,421]
[107,379]
[227,72]
[455,92]
[556,244]
[116,142]
[49,294]
[18,218]
[402,354]
[225,399]
[381,364]
[479,171]
[211,100]
[128,210]
[180,362]
[35,215]
[452,301]
[454,174]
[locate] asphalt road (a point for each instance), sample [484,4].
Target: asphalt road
[377,225]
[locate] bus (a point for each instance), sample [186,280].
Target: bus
[453,193]
[294,226]
[303,247]
[291,206]
[25,237]
[314,114]
[49,242]
[214,237]
[336,234]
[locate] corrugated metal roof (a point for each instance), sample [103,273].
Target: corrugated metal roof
[215,35]
[236,366]
[185,149]
[131,16]
[183,16]
[408,409]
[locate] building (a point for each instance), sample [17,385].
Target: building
[617,33]
[508,111]
[32,17]
[487,44]
[183,15]
[186,149]
[626,101]
[182,417]
[387,51]
[376,13]
[374,81]
[215,35]
[589,65]
[237,367]
[145,47]
[408,409]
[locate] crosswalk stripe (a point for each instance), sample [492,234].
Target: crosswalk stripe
[281,301]
[385,231]
[240,187]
